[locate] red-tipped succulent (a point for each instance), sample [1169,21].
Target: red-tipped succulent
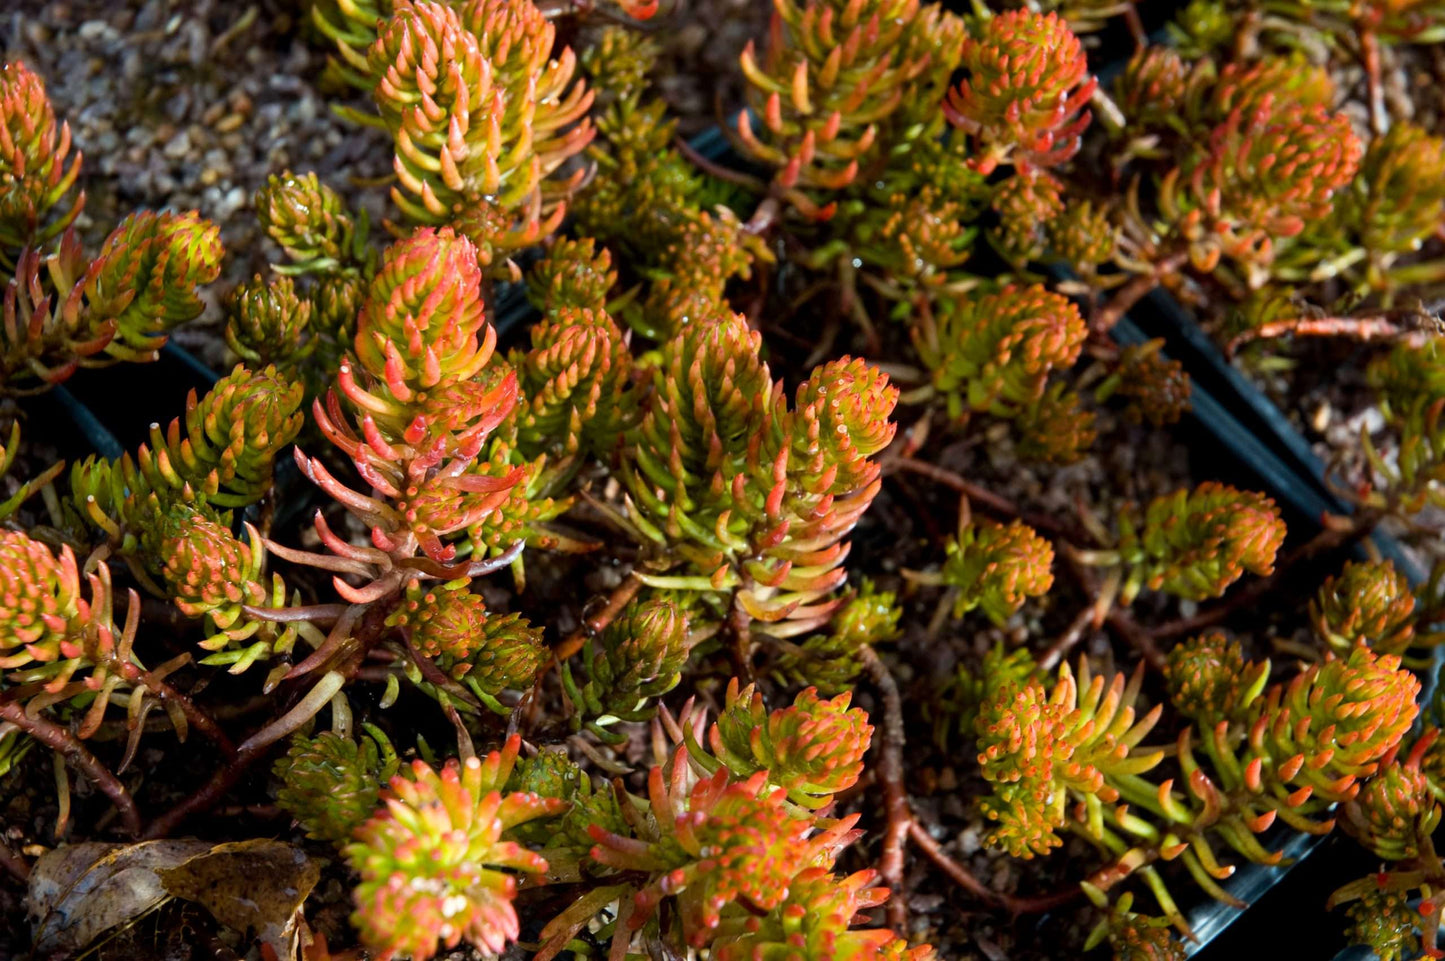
[1023,100]
[435,866]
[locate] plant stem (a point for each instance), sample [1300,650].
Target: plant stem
[895,795]
[959,874]
[1329,539]
[965,879]
[1134,291]
[1118,619]
[14,863]
[740,623]
[370,628]
[78,757]
[195,716]
[992,502]
[722,173]
[1370,60]
[250,751]
[1058,650]
[1141,640]
[616,601]
[1412,326]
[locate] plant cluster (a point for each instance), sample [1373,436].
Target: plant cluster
[600,633]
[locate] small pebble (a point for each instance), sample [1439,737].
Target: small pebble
[179,145]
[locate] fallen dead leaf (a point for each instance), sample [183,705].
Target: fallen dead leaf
[254,887]
[81,891]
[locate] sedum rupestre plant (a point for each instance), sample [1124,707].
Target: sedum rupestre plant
[640,547]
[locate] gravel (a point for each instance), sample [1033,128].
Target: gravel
[192,105]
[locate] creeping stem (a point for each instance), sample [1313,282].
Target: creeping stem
[78,757]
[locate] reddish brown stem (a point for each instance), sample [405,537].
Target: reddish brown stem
[993,503]
[1374,85]
[895,795]
[195,717]
[78,757]
[1123,624]
[1135,290]
[1072,635]
[740,623]
[1120,621]
[959,874]
[437,678]
[14,863]
[1365,329]
[619,598]
[717,170]
[1043,903]
[251,810]
[1327,540]
[370,630]
[249,752]
[965,879]
[1136,26]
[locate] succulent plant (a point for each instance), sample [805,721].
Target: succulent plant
[674,429]
[1264,174]
[638,658]
[573,274]
[574,382]
[816,917]
[221,455]
[312,224]
[421,412]
[489,653]
[831,74]
[1395,202]
[1023,99]
[1039,746]
[1134,936]
[1194,544]
[1026,204]
[1395,808]
[832,661]
[996,567]
[1156,389]
[211,573]
[1084,236]
[34,174]
[268,323]
[1210,680]
[812,749]
[120,307]
[1384,922]
[1054,428]
[1290,751]
[1153,85]
[995,352]
[720,843]
[1370,604]
[1269,84]
[482,116]
[331,783]
[435,865]
[756,496]
[42,597]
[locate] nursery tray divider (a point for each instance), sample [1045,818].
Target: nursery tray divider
[190,361]
[89,426]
